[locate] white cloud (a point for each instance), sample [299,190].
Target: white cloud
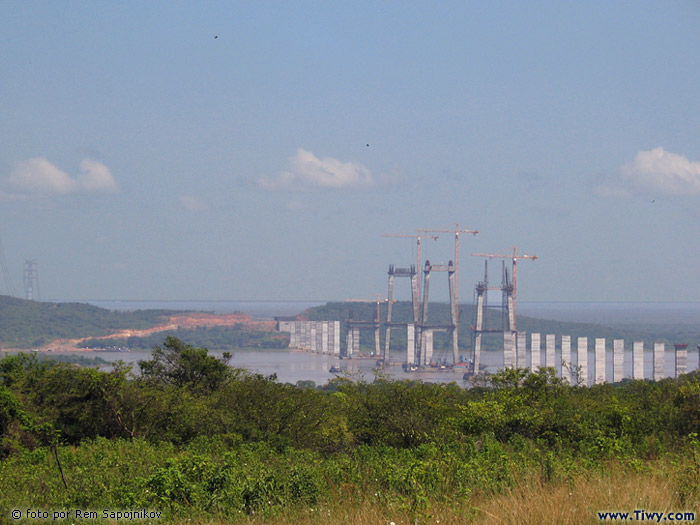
[38,175]
[191,203]
[308,171]
[656,171]
[96,177]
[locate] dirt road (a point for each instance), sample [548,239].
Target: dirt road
[185,321]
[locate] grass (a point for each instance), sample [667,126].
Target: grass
[664,485]
[578,500]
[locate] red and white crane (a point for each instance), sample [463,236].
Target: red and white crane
[456,232]
[418,238]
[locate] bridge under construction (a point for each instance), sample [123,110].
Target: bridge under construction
[420,329]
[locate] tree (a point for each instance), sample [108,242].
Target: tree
[179,364]
[402,414]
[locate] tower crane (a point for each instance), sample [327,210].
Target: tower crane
[418,238]
[456,232]
[453,276]
[514,257]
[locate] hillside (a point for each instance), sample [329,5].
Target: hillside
[28,324]
[32,324]
[69,326]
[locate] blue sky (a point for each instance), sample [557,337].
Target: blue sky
[259,150]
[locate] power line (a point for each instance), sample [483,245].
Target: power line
[9,285]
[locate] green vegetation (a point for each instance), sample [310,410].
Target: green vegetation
[31,324]
[205,443]
[74,359]
[28,324]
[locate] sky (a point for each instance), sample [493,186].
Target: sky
[248,150]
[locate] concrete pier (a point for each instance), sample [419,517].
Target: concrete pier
[681,359]
[311,335]
[427,346]
[514,355]
[315,336]
[293,336]
[415,301]
[511,310]
[535,352]
[454,311]
[453,326]
[582,360]
[549,351]
[638,360]
[479,326]
[658,359]
[355,341]
[334,337]
[521,350]
[599,361]
[618,360]
[304,336]
[565,370]
[411,344]
[348,343]
[508,349]
[324,337]
[319,336]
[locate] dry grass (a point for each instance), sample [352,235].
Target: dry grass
[580,499]
[659,487]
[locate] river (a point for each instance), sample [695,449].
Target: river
[293,366]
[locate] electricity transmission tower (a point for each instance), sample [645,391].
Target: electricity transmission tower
[31,280]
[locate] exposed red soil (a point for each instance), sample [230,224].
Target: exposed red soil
[185,321]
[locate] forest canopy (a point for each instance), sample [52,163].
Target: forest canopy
[201,441]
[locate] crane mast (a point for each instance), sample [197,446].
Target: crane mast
[514,258]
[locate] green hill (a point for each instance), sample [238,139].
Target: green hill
[27,324]
[32,324]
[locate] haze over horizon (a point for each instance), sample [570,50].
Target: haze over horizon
[258,151]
